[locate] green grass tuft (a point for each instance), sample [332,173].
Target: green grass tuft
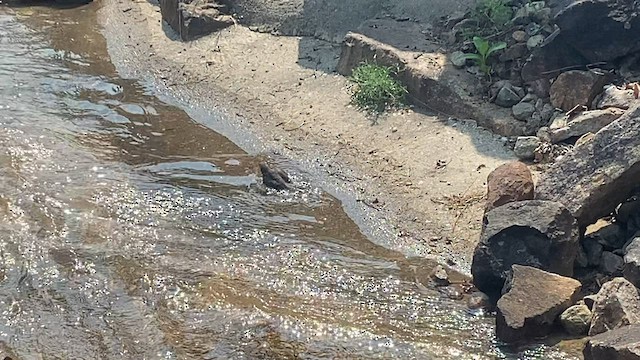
[376,88]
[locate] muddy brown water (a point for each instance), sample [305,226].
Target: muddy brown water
[130,231]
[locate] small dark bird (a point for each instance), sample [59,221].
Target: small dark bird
[274,178]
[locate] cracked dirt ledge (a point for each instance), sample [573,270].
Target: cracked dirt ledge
[421,174]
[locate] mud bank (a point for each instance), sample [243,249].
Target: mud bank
[421,173]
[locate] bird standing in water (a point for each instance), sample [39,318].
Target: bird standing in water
[274,178]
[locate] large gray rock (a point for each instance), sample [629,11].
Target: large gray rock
[618,344]
[617,304]
[576,320]
[509,182]
[590,31]
[576,87]
[532,302]
[597,176]
[567,127]
[601,30]
[631,269]
[553,54]
[192,19]
[540,234]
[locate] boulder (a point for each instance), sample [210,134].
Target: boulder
[611,263]
[192,19]
[618,344]
[508,183]
[614,97]
[551,55]
[577,88]
[601,30]
[526,146]
[576,320]
[587,122]
[631,267]
[617,304]
[595,177]
[589,31]
[532,301]
[540,234]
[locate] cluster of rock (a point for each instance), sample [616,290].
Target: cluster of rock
[567,251]
[560,69]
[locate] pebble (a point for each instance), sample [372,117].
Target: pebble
[232,162]
[526,146]
[440,276]
[523,110]
[451,292]
[535,41]
[520,36]
[478,300]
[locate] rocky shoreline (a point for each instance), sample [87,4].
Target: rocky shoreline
[579,222]
[558,250]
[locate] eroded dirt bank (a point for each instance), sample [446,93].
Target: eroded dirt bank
[423,173]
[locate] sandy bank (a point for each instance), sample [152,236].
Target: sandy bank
[422,173]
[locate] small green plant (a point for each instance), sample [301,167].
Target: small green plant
[484,49]
[376,88]
[493,13]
